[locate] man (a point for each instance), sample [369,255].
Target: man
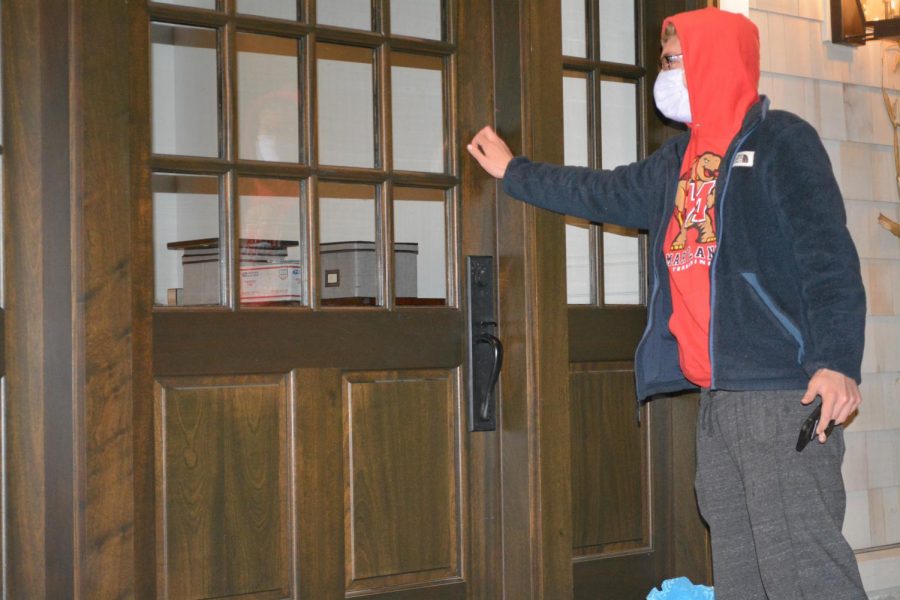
[756,299]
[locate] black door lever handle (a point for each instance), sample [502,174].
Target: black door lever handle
[497,345]
[485,352]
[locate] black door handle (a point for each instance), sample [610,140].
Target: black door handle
[494,342]
[485,351]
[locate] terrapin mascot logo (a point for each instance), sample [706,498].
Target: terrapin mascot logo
[695,199]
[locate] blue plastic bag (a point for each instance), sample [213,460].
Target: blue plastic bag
[681,588]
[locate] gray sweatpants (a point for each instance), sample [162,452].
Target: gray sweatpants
[774,514]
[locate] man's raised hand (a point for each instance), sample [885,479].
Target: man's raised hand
[490,151]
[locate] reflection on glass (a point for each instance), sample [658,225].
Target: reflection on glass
[346,106]
[618,122]
[617,35]
[274,9]
[575,118]
[271,269]
[185,90]
[578,261]
[574,28]
[621,266]
[420,247]
[417,102]
[348,268]
[416,18]
[268,98]
[186,232]
[355,14]
[208,4]
[2,235]
[619,142]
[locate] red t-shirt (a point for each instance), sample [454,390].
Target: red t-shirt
[722,81]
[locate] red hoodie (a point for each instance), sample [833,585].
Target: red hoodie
[721,68]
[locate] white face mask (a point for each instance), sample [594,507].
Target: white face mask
[671,95]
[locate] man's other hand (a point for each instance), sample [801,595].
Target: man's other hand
[490,151]
[840,397]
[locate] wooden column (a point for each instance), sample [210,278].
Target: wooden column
[69,338]
[533,322]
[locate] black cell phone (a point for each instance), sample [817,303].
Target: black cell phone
[808,429]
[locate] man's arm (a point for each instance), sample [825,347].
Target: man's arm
[829,270]
[622,196]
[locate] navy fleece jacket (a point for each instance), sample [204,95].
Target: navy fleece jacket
[786,293]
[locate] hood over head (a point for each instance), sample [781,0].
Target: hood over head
[721,66]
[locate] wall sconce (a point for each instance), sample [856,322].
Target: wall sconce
[854,22]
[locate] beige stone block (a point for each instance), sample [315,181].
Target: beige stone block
[884,515]
[810,9]
[884,174]
[760,19]
[785,7]
[870,355]
[858,112]
[837,60]
[856,520]
[780,45]
[886,332]
[854,467]
[890,64]
[883,129]
[793,94]
[880,570]
[870,414]
[856,169]
[879,284]
[883,458]
[832,121]
[891,400]
[867,65]
[886,245]
[800,53]
[857,222]
[833,149]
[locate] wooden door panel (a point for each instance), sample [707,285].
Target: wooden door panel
[610,489]
[223,493]
[402,478]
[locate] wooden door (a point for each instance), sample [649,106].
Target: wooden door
[222,441]
[306,219]
[634,518]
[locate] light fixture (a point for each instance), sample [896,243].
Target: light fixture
[856,22]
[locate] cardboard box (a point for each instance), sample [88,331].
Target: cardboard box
[275,282]
[347,270]
[201,282]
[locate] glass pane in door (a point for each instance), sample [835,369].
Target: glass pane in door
[185,90]
[420,246]
[271,242]
[355,14]
[619,141]
[417,100]
[268,98]
[617,34]
[576,129]
[622,279]
[574,28]
[274,9]
[187,255]
[618,123]
[207,4]
[348,253]
[578,261]
[346,101]
[576,133]
[417,18]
